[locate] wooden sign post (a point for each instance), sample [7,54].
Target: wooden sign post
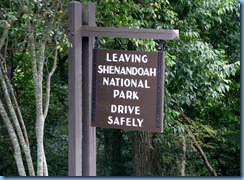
[74,85]
[127,108]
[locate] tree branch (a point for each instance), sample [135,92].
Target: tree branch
[45,169]
[50,74]
[4,36]
[186,120]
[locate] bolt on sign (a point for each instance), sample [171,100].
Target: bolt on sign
[128,90]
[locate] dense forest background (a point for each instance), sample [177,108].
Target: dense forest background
[202,89]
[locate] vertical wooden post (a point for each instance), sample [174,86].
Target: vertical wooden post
[89,133]
[74,83]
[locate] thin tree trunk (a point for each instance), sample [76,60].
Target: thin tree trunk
[48,88]
[45,169]
[14,117]
[197,145]
[37,68]
[19,115]
[183,162]
[202,154]
[4,36]
[14,140]
[37,45]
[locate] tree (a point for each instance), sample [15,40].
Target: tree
[201,69]
[40,25]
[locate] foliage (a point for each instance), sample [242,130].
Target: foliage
[202,69]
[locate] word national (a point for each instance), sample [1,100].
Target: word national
[121,82]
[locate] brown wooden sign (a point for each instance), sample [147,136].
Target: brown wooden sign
[128,90]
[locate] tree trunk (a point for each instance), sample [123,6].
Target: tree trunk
[183,162]
[15,121]
[37,71]
[117,168]
[14,139]
[142,154]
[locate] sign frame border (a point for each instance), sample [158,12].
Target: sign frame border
[159,92]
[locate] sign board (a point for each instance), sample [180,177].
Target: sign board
[128,90]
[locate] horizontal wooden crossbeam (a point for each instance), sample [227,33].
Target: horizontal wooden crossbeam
[160,34]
